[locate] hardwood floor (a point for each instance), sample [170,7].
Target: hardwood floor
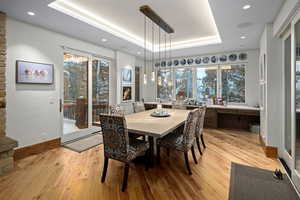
[64,174]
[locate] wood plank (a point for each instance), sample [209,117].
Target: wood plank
[62,174]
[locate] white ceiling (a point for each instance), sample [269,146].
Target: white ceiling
[186,17]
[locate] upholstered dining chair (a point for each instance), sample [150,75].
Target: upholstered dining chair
[116,109]
[117,145]
[199,128]
[183,142]
[138,107]
[119,110]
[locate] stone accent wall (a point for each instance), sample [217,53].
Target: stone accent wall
[2,72]
[7,145]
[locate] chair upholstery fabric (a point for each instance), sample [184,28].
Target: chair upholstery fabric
[116,141]
[182,141]
[127,108]
[200,121]
[116,110]
[138,107]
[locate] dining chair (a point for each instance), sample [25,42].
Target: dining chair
[199,128]
[138,107]
[183,142]
[118,146]
[116,109]
[127,108]
[119,110]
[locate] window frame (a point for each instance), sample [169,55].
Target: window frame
[194,77]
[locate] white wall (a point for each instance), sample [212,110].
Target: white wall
[272,121]
[32,110]
[284,16]
[251,80]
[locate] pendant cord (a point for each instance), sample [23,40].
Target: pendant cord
[145,56]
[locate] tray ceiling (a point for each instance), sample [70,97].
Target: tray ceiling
[192,20]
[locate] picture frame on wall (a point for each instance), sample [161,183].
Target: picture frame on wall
[126,76]
[127,93]
[34,73]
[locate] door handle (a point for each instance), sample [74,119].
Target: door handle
[60,105]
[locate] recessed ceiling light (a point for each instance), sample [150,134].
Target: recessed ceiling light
[139,53]
[246,7]
[243,37]
[104,40]
[30,13]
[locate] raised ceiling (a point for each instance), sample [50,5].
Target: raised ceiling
[231,20]
[192,20]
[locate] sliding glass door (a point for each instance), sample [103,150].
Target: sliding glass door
[287,133]
[85,94]
[295,101]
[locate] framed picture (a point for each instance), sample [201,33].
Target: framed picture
[126,93]
[34,73]
[127,76]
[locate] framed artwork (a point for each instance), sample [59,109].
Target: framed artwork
[34,73]
[126,93]
[127,76]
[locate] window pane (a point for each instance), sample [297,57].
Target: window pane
[183,84]
[206,83]
[164,84]
[100,88]
[233,83]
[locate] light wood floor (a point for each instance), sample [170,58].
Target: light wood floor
[64,174]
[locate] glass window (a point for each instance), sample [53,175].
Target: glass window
[164,84]
[183,84]
[206,83]
[75,92]
[233,83]
[100,87]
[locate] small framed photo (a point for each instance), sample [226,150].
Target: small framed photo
[126,93]
[126,76]
[34,73]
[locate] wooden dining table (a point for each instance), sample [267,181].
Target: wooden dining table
[144,124]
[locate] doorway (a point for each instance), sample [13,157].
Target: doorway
[85,94]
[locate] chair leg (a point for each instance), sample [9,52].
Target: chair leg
[202,140]
[104,169]
[158,154]
[198,145]
[194,155]
[125,178]
[168,152]
[186,158]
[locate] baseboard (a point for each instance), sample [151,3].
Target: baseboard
[271,152]
[36,149]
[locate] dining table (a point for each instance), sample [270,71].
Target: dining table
[144,124]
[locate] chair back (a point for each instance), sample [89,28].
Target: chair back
[115,136]
[189,128]
[138,107]
[200,121]
[116,110]
[127,108]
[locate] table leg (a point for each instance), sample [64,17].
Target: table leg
[151,149]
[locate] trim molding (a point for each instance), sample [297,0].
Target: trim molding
[271,152]
[36,148]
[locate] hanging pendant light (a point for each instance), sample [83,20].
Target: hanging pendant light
[145,50]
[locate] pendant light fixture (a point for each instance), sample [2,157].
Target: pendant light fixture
[162,59]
